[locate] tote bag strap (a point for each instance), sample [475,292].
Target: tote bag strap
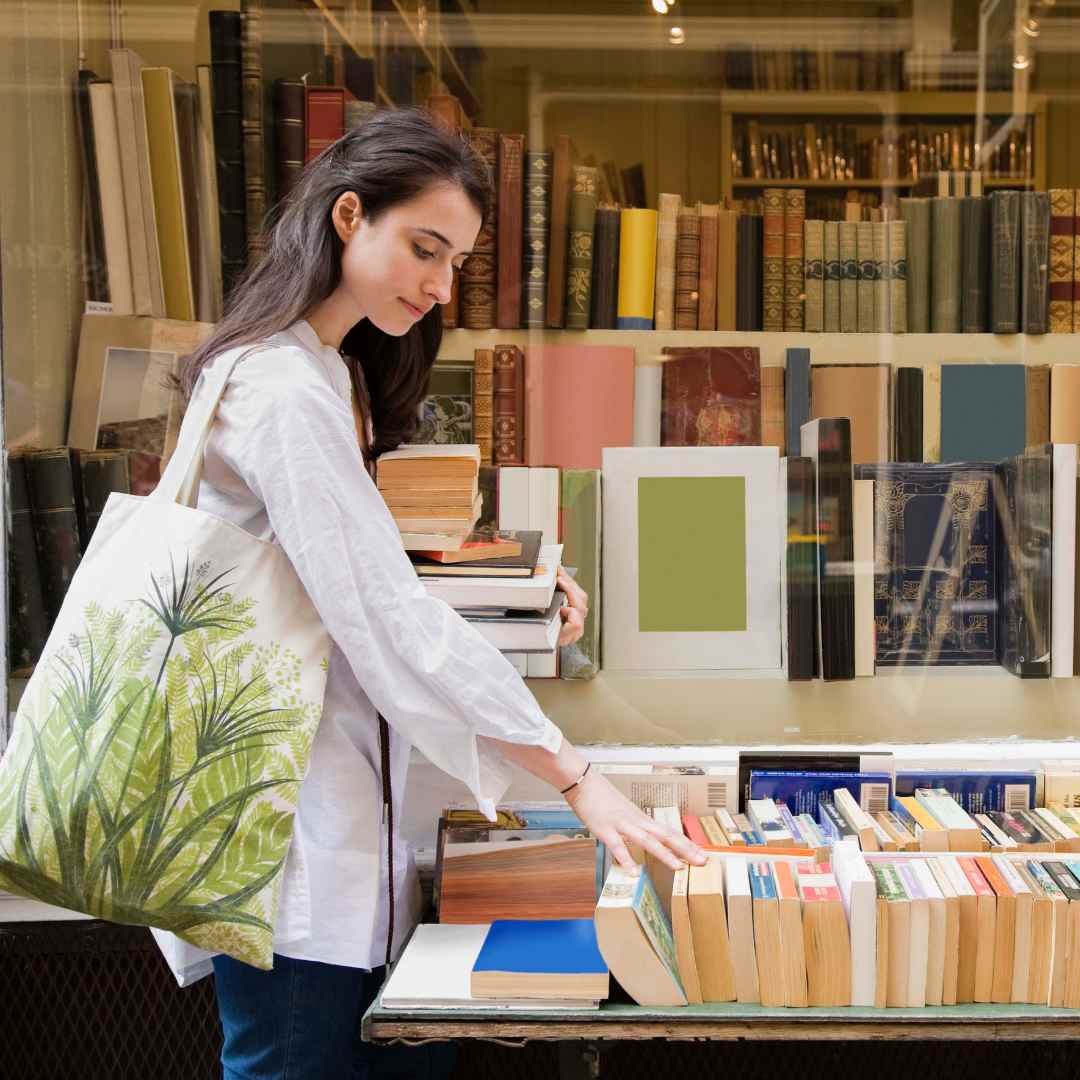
[180,481]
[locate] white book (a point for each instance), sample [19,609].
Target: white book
[740,914]
[765,816]
[863,533]
[1024,917]
[999,838]
[1063,561]
[951,969]
[1067,837]
[857,818]
[435,968]
[919,941]
[535,592]
[111,185]
[858,892]
[521,631]
[935,950]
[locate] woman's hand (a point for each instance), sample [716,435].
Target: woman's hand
[574,611]
[616,821]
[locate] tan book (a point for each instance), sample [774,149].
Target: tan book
[892,895]
[1024,913]
[687,268]
[967,909]
[854,814]
[814,276]
[767,947]
[1071,999]
[934,899]
[709,929]
[684,938]
[932,413]
[951,901]
[773,422]
[792,940]
[1065,403]
[663,877]
[210,285]
[1042,939]
[826,939]
[741,933]
[669,207]
[1004,930]
[707,263]
[901,836]
[483,402]
[881,950]
[730,826]
[861,392]
[726,282]
[1037,407]
[713,832]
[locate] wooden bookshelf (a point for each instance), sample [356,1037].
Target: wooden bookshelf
[889,108]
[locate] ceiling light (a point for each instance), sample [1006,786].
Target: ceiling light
[1021,62]
[676,35]
[1031,27]
[660,7]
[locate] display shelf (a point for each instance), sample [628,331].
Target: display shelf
[727,1022]
[863,184]
[908,350]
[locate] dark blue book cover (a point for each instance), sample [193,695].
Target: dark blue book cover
[542,947]
[976,792]
[983,411]
[935,563]
[796,397]
[803,792]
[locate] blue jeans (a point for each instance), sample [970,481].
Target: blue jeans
[301,1021]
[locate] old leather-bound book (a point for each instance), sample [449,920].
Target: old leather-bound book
[508,406]
[604,301]
[772,262]
[509,233]
[711,397]
[1061,260]
[668,207]
[794,216]
[537,208]
[1035,230]
[289,133]
[484,402]
[708,257]
[687,269]
[252,112]
[56,528]
[562,160]
[1005,262]
[478,275]
[580,251]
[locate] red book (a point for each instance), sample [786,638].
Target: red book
[711,397]
[508,406]
[324,118]
[509,231]
[692,827]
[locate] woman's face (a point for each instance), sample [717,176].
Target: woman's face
[398,267]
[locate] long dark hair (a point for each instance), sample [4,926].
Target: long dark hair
[391,158]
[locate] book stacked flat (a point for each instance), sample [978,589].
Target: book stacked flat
[433,493]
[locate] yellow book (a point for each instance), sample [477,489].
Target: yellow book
[165,173]
[933,836]
[637,269]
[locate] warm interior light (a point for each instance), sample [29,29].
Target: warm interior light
[676,35]
[1020,61]
[660,7]
[1031,27]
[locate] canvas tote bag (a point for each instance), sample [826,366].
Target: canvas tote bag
[158,750]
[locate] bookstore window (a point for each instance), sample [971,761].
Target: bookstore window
[838,235]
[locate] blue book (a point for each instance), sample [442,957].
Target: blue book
[976,792]
[935,563]
[542,946]
[796,397]
[803,792]
[983,411]
[762,882]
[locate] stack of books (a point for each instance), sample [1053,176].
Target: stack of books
[503,582]
[433,493]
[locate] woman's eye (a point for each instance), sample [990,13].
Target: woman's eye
[422,252]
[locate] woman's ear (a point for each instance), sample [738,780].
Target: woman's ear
[346,215]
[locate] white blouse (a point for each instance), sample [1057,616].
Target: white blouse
[283,462]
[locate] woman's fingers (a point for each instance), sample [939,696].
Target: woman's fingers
[573,626]
[682,846]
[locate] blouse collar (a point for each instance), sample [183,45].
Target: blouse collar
[332,360]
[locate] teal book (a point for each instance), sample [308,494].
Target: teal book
[581,514]
[983,411]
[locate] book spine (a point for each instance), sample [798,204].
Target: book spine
[772,261]
[833,272]
[666,241]
[796,395]
[1062,211]
[604,300]
[637,269]
[916,212]
[1005,262]
[727,275]
[881,276]
[579,262]
[580,530]
[28,620]
[483,402]
[849,276]
[227,82]
[537,208]
[289,133]
[478,275]
[794,216]
[56,528]
[896,247]
[1035,231]
[709,250]
[97,273]
[252,87]
[864,241]
[561,161]
[1037,404]
[508,406]
[814,275]
[801,557]
[945,276]
[509,235]
[324,118]
[100,473]
[687,260]
[773,419]
[1076,263]
[975,232]
[909,418]
[748,272]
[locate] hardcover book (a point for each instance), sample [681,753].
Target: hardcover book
[446,412]
[748,272]
[1005,262]
[801,558]
[687,266]
[833,275]
[637,269]
[773,418]
[580,249]
[1034,284]
[727,270]
[814,276]
[563,157]
[28,621]
[861,392]
[916,213]
[709,254]
[946,273]
[935,565]
[983,411]
[508,406]
[581,514]
[867,276]
[483,402]
[537,208]
[796,395]
[772,261]
[478,274]
[56,527]
[879,232]
[604,297]
[667,238]
[908,425]
[794,216]
[508,236]
[711,397]
[975,276]
[849,277]
[1062,210]
[896,273]
[251,78]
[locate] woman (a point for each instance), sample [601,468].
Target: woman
[342,312]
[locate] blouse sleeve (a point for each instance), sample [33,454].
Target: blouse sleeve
[291,438]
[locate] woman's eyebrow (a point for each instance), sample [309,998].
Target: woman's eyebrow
[439,236]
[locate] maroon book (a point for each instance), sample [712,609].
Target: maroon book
[508,406]
[478,273]
[711,397]
[324,119]
[509,231]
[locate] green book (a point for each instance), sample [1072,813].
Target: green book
[537,218]
[849,276]
[581,516]
[945,275]
[814,276]
[579,255]
[916,214]
[867,264]
[881,277]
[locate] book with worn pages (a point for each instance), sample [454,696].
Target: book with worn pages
[509,563]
